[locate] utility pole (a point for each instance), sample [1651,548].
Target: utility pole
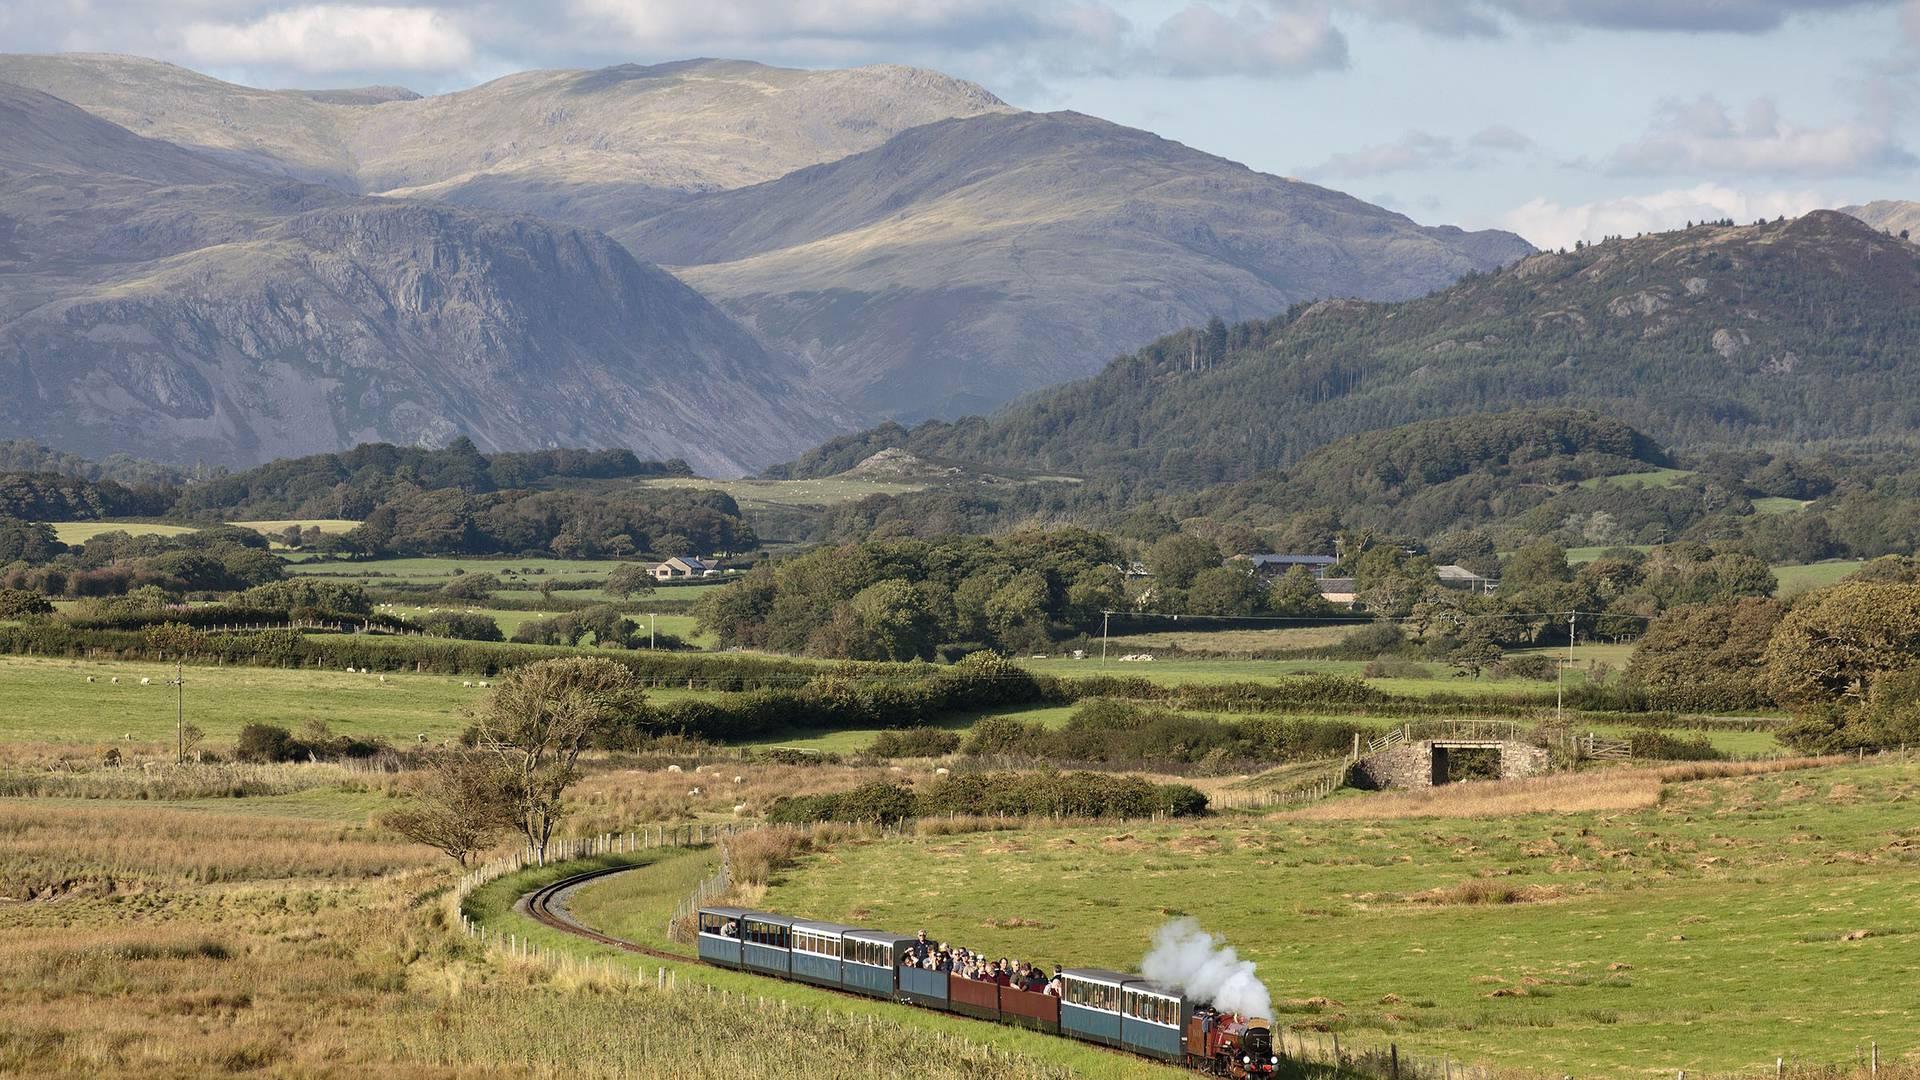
[1560,685]
[650,634]
[1103,635]
[179,713]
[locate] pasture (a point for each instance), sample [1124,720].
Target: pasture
[1649,478]
[759,494]
[48,700]
[1705,925]
[79,532]
[1805,577]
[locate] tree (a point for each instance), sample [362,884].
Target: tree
[1542,562]
[536,724]
[1297,592]
[1226,590]
[22,604]
[458,808]
[627,579]
[1175,559]
[1476,652]
[1832,646]
[1708,656]
[895,621]
[471,587]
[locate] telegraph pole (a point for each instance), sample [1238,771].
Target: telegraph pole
[650,634]
[179,713]
[1103,634]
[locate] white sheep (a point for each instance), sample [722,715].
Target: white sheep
[898,768]
[468,684]
[116,680]
[89,678]
[383,678]
[484,685]
[673,768]
[739,808]
[739,779]
[695,791]
[939,772]
[144,682]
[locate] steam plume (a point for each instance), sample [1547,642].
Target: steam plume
[1189,959]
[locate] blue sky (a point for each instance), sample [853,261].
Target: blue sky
[1560,119]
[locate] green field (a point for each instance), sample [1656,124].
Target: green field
[79,532]
[1652,478]
[1706,932]
[1179,671]
[854,740]
[1795,580]
[1777,504]
[45,700]
[828,491]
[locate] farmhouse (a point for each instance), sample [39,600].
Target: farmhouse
[1341,591]
[1459,577]
[1275,565]
[684,567]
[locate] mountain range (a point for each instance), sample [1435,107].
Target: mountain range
[1780,333]
[157,300]
[879,242]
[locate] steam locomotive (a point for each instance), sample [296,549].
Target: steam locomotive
[1109,1008]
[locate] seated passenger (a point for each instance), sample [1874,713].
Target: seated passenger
[1057,986]
[732,929]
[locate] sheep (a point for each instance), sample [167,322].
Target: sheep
[468,684]
[89,678]
[939,772]
[145,682]
[116,680]
[739,808]
[739,779]
[898,768]
[695,791]
[484,685]
[673,768]
[383,678]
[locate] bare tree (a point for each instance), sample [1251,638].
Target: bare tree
[535,726]
[460,807]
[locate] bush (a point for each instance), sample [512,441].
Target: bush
[915,742]
[1395,667]
[267,742]
[463,625]
[1666,746]
[21,604]
[1531,666]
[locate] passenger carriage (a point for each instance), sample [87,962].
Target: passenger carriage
[817,947]
[1153,1020]
[766,943]
[869,960]
[719,935]
[1090,1005]
[919,986]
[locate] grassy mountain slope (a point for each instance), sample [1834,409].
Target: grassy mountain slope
[1888,215]
[966,261]
[159,302]
[1739,335]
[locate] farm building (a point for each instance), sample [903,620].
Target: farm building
[684,567]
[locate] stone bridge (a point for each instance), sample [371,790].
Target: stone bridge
[1401,759]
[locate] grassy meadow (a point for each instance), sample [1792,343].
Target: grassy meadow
[1706,925]
[1805,577]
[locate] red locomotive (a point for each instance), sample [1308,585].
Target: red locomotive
[1227,1044]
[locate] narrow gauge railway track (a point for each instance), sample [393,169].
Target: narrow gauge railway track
[540,906]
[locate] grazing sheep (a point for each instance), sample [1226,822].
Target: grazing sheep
[695,791]
[469,684]
[739,779]
[673,768]
[144,682]
[89,678]
[422,737]
[939,772]
[383,678]
[739,808]
[484,685]
[897,768]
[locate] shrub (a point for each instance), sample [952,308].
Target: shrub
[466,626]
[21,604]
[1667,746]
[1395,667]
[915,742]
[267,742]
[1531,666]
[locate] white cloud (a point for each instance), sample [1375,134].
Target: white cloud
[1548,224]
[1420,150]
[1279,37]
[1491,18]
[1703,135]
[335,37]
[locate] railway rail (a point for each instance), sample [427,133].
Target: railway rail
[546,907]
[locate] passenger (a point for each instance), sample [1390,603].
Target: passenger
[922,948]
[1057,986]
[732,929]
[909,961]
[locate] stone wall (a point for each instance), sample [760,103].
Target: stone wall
[1411,766]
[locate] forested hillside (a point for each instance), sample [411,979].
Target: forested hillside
[1718,335]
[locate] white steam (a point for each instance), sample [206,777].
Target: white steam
[1189,959]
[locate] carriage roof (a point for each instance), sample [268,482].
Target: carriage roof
[831,929]
[1099,975]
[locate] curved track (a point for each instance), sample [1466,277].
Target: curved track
[546,905]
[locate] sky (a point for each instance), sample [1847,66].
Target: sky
[1562,120]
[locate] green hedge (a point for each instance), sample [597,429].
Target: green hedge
[1078,794]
